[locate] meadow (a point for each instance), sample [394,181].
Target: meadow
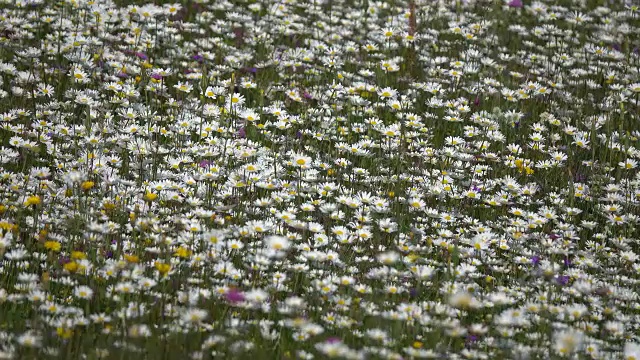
[353,179]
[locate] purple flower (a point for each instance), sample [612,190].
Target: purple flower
[579,177]
[413,292]
[333,340]
[234,296]
[204,163]
[122,75]
[242,133]
[562,280]
[109,254]
[141,55]
[299,134]
[156,76]
[471,338]
[306,95]
[476,102]
[197,57]
[535,260]
[567,262]
[515,3]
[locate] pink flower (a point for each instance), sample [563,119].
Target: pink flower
[515,3]
[141,55]
[234,296]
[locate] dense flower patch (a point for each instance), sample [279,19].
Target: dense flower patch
[319,179]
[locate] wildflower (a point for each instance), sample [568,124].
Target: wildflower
[182,252]
[275,242]
[162,268]
[631,351]
[194,316]
[46,90]
[515,3]
[387,93]
[463,300]
[628,164]
[87,185]
[237,99]
[568,342]
[183,87]
[52,245]
[149,196]
[80,76]
[29,339]
[33,200]
[83,292]
[210,93]
[234,296]
[301,161]
[71,266]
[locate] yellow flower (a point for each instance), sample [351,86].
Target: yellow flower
[87,185]
[131,258]
[519,163]
[64,332]
[52,245]
[33,200]
[182,252]
[45,278]
[78,255]
[150,196]
[162,267]
[4,225]
[71,266]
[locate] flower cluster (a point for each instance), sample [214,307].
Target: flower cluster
[319,179]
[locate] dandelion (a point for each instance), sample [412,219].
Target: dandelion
[87,185]
[33,200]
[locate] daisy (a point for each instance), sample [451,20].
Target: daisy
[279,243]
[83,292]
[183,87]
[301,161]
